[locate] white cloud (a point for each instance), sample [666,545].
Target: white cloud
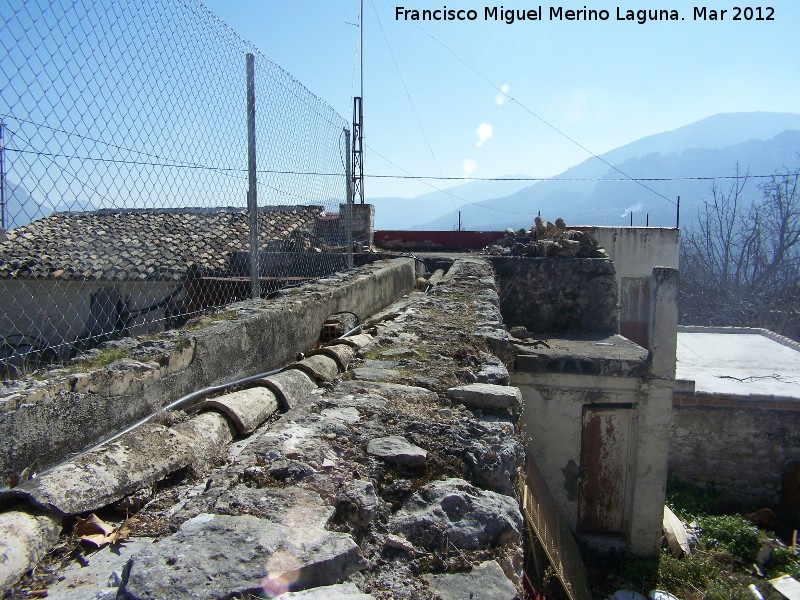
[484,131]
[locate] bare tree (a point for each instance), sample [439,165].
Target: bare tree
[740,262]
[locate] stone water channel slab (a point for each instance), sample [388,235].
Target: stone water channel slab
[98,478]
[26,537]
[246,408]
[290,386]
[213,556]
[320,366]
[341,353]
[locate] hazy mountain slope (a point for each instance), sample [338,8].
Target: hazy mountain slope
[766,142]
[21,208]
[405,213]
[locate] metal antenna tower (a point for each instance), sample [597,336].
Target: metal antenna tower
[358,126]
[358,149]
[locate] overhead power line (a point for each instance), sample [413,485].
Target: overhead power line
[596,179]
[430,185]
[497,88]
[407,176]
[411,102]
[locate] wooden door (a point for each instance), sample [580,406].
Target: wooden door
[605,441]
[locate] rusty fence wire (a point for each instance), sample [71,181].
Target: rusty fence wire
[124,164]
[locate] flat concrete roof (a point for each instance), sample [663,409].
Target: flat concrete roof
[597,355]
[740,361]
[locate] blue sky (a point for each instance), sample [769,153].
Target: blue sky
[603,83]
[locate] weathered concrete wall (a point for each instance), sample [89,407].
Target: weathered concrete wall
[552,420]
[740,445]
[599,441]
[44,421]
[58,311]
[635,251]
[558,295]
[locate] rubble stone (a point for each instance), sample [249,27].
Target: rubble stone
[398,450]
[486,395]
[346,591]
[212,556]
[454,512]
[486,581]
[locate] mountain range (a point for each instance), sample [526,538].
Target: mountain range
[594,192]
[600,192]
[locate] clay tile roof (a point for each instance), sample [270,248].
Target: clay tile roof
[142,244]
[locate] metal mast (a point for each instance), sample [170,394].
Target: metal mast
[358,126]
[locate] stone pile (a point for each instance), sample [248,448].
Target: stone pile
[547,239]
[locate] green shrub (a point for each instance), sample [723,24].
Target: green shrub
[723,591]
[689,501]
[675,573]
[733,533]
[783,560]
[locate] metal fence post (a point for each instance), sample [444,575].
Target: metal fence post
[2,178]
[252,196]
[349,191]
[77,181]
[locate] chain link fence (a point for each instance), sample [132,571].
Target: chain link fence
[125,174]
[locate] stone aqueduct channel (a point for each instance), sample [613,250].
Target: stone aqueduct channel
[382,466]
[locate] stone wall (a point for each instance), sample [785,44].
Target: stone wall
[57,312]
[741,446]
[43,421]
[558,295]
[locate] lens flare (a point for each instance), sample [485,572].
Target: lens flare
[469,166]
[484,131]
[501,98]
[283,570]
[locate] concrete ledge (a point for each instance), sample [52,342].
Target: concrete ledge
[44,422]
